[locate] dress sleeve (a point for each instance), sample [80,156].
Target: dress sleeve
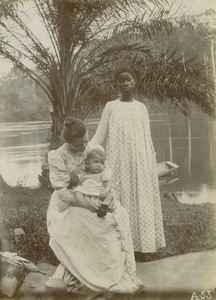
[59,176]
[60,179]
[148,131]
[103,127]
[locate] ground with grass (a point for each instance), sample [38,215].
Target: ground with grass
[188,228]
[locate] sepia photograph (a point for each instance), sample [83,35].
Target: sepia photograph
[108,139]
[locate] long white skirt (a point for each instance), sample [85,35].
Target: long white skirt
[98,251]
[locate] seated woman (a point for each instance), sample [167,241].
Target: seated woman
[96,253]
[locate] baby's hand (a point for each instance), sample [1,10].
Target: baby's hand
[102,196]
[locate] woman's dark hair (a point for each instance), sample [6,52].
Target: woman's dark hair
[73,128]
[123,69]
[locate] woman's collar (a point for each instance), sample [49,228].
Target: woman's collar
[132,100]
[73,150]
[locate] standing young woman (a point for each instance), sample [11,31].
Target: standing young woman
[131,156]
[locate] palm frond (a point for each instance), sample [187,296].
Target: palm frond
[89,39]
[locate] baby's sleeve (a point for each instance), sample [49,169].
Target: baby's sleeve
[81,177]
[106,174]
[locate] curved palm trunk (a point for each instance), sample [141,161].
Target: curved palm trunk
[55,141]
[57,125]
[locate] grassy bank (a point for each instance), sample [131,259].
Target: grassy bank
[188,228]
[25,208]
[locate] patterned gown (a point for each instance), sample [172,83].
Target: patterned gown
[130,154]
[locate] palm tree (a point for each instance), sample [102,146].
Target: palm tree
[87,41]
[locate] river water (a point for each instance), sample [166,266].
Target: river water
[190,143]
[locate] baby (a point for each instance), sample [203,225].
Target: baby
[95,181]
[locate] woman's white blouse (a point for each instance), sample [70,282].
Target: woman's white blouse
[61,163]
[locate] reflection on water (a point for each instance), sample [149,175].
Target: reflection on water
[23,148]
[190,143]
[203,195]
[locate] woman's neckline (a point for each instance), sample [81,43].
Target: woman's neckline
[72,150]
[126,101]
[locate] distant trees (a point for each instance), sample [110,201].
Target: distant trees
[86,41]
[20,99]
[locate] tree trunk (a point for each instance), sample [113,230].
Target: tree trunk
[57,125]
[54,138]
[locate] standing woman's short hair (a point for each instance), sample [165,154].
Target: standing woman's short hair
[73,128]
[121,70]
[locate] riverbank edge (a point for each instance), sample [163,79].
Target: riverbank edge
[188,227]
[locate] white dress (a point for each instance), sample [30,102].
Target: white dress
[92,184]
[97,251]
[125,128]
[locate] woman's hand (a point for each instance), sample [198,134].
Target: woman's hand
[92,205]
[80,200]
[102,196]
[112,207]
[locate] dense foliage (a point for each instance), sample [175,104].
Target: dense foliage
[21,99]
[86,40]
